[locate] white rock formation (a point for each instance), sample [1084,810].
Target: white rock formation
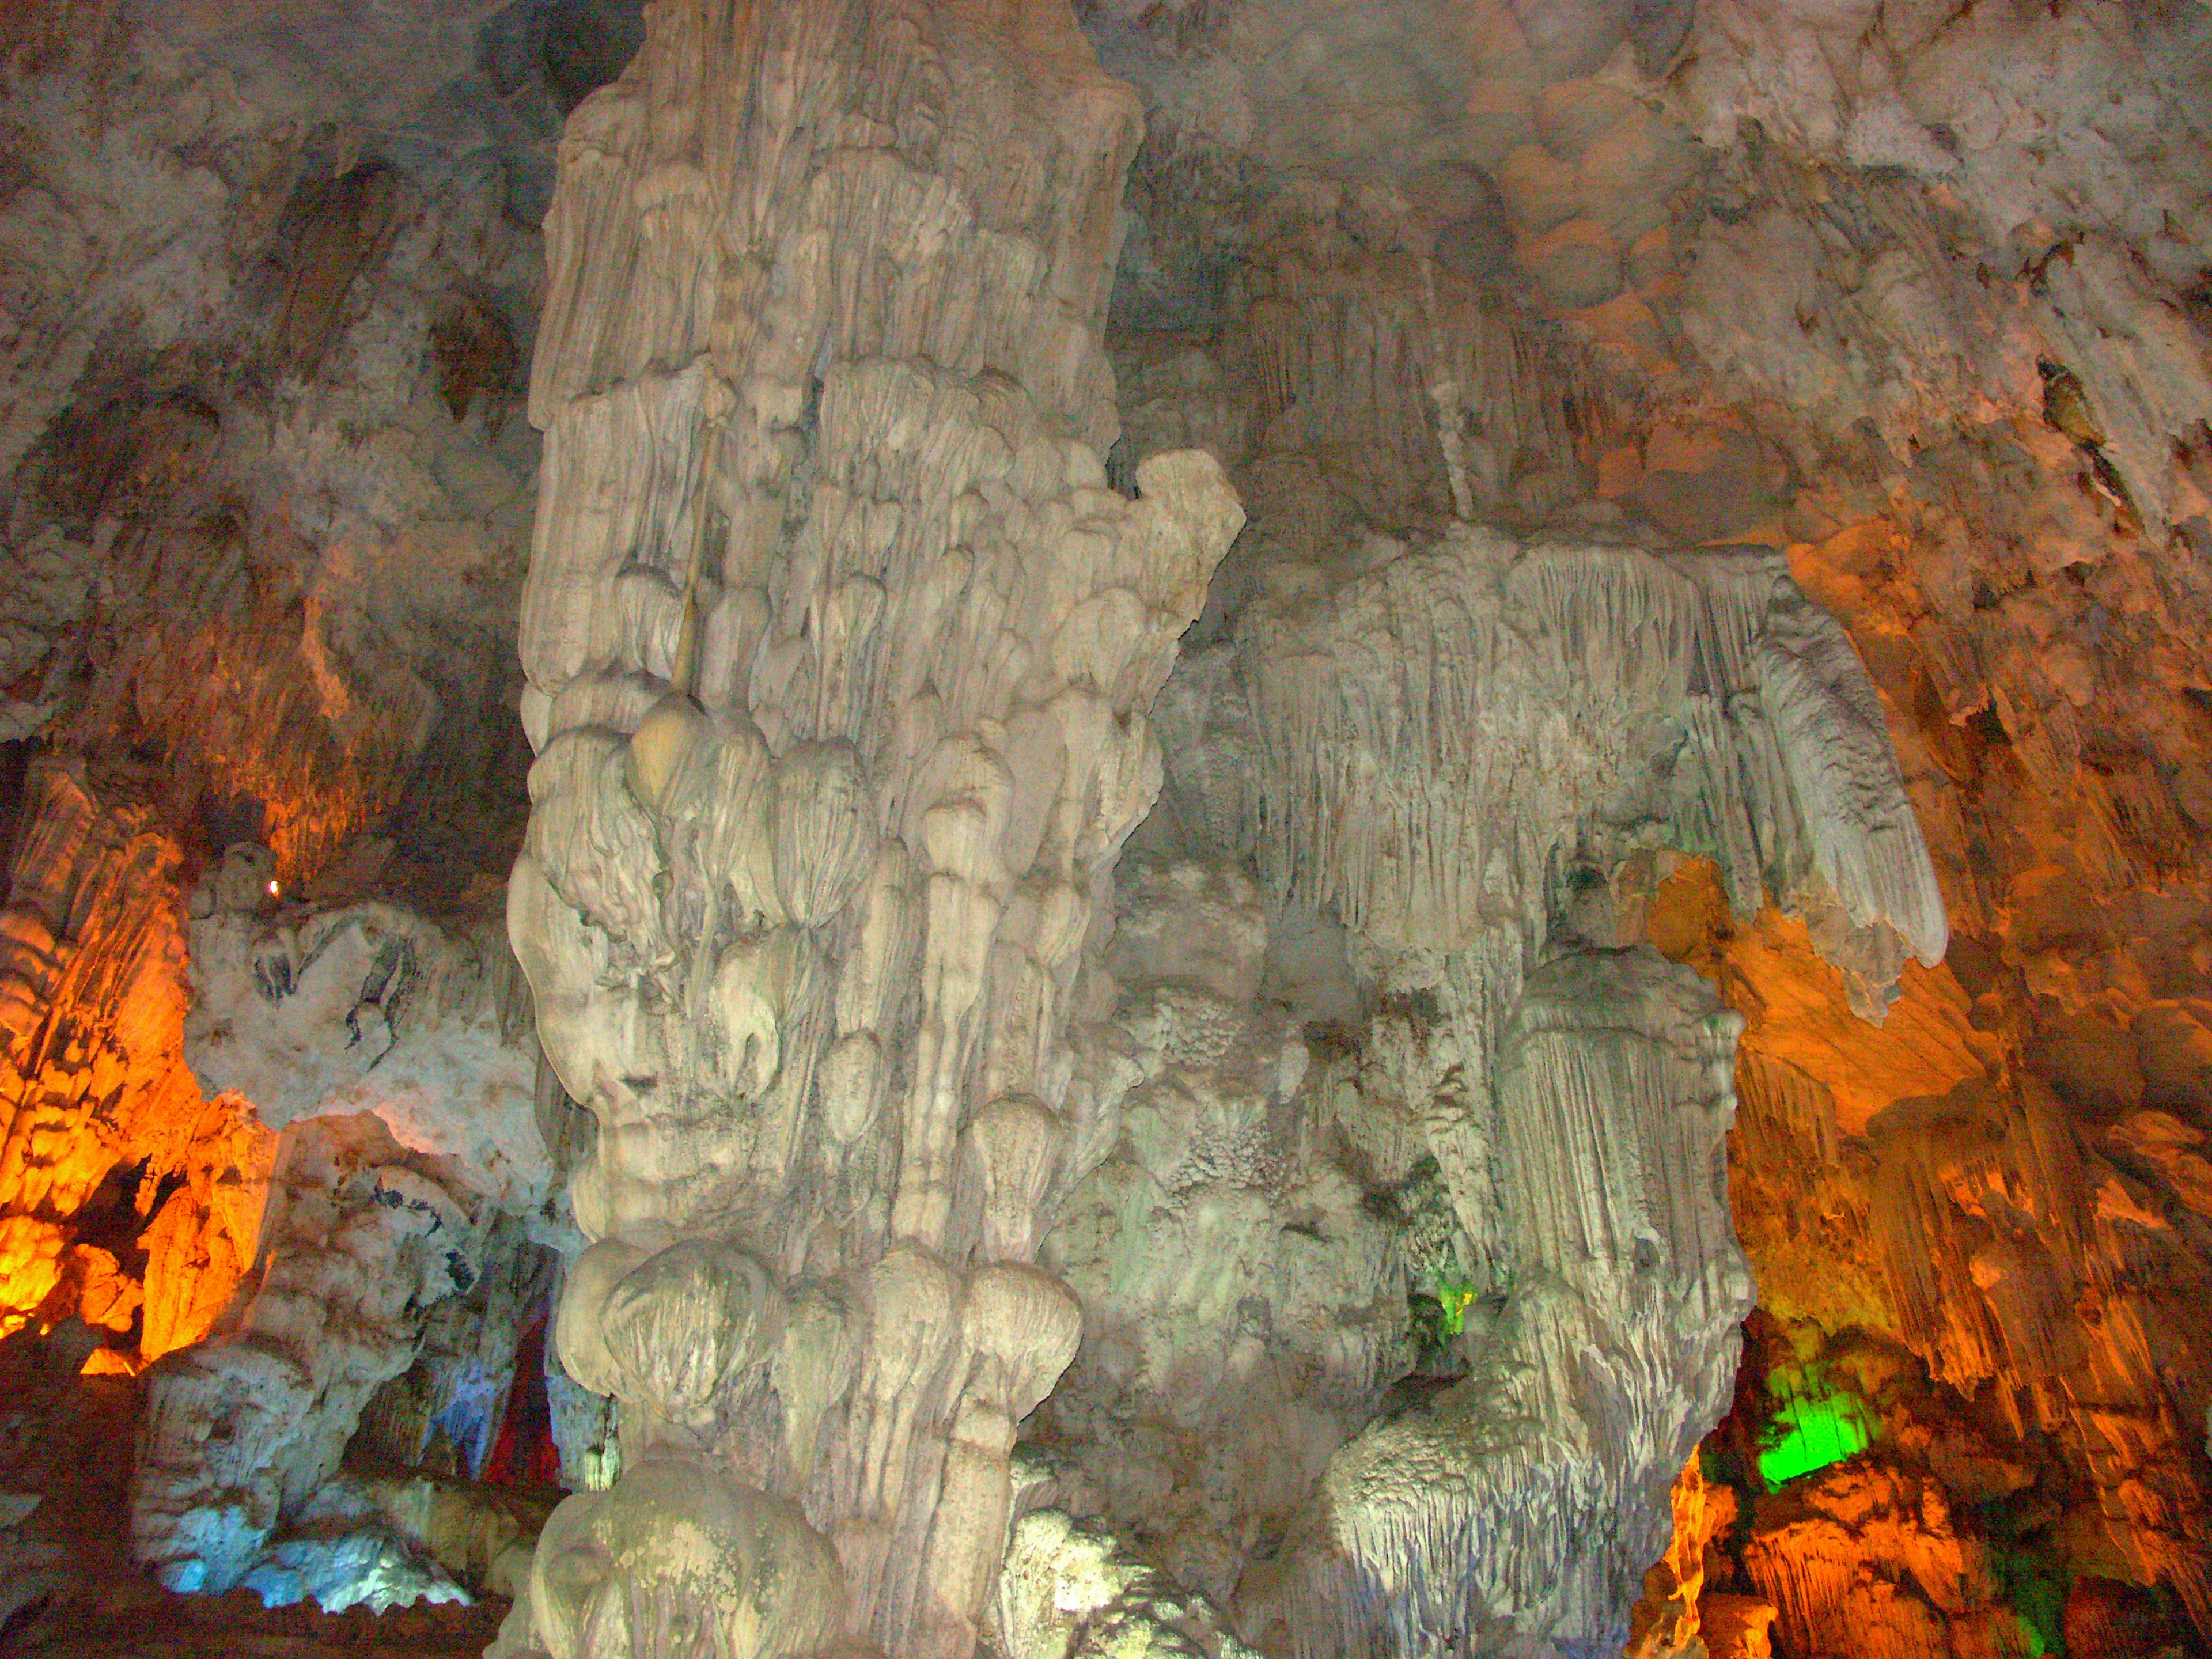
[242,1434]
[1244,1305]
[1524,1502]
[840,652]
[395,1055]
[1473,754]
[309,1011]
[1068,1591]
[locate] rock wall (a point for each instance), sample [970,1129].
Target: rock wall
[262,512]
[411,1181]
[2002,269]
[260,526]
[88,972]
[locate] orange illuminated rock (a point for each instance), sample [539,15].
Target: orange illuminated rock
[92,1076]
[30,1267]
[1666,1620]
[1869,1561]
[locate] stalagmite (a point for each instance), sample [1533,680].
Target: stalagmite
[677,1560]
[819,817]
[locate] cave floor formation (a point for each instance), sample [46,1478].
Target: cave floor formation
[1106,829]
[135,1620]
[107,1608]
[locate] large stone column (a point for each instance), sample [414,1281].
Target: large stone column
[840,651]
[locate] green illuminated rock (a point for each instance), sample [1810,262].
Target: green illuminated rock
[1813,1431]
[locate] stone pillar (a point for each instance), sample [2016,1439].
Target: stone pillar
[840,652]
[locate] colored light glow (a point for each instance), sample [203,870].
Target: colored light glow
[1454,1300]
[2036,1587]
[1810,1431]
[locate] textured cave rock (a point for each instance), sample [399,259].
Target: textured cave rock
[1515,330]
[1244,1302]
[370,1009]
[255,566]
[695,923]
[1887,257]
[263,518]
[411,1191]
[840,652]
[1067,1589]
[242,1435]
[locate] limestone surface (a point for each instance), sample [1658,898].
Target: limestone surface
[1164,675]
[841,651]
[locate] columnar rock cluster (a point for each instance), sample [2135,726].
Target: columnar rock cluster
[841,651]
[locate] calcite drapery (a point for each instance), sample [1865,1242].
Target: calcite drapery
[1477,753]
[840,652]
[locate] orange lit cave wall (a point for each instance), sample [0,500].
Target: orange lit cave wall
[1984,1227]
[127,1199]
[203,713]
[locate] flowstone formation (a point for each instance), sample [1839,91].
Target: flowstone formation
[1525,1502]
[1245,1292]
[410,1190]
[1478,756]
[840,652]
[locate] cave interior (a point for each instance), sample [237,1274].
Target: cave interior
[1106,829]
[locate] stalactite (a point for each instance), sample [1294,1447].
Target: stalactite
[1429,399]
[1869,1560]
[1552,656]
